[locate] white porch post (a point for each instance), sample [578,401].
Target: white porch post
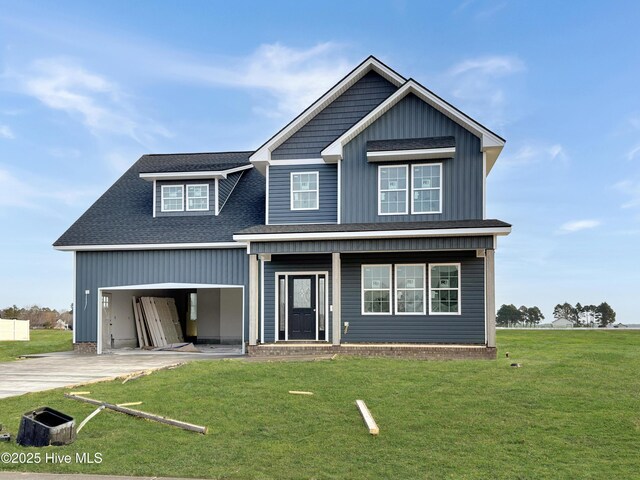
[253,299]
[490,292]
[335,287]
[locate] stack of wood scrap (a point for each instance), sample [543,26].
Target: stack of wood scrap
[157,322]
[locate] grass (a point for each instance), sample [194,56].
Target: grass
[42,341]
[572,411]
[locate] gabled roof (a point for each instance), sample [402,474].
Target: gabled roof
[491,143]
[123,215]
[263,154]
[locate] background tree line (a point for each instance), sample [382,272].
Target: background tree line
[585,315]
[511,316]
[40,317]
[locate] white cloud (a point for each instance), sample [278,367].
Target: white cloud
[37,193]
[6,132]
[577,225]
[481,85]
[295,78]
[96,101]
[633,153]
[631,189]
[535,153]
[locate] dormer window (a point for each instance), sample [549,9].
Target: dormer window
[172,198]
[197,198]
[304,191]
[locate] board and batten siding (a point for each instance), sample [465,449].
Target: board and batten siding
[96,270]
[466,328]
[340,115]
[374,245]
[284,264]
[212,198]
[280,195]
[413,118]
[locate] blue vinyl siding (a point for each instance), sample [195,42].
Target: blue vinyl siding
[120,268]
[280,195]
[290,263]
[467,328]
[362,97]
[413,118]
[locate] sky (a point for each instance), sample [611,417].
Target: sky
[88,87]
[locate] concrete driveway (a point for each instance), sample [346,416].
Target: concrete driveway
[68,369]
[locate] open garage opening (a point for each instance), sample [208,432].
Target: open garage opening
[210,317]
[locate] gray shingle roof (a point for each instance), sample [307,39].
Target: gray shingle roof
[410,144]
[373,227]
[123,215]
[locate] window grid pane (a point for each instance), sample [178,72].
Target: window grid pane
[376,284]
[304,191]
[426,188]
[393,189]
[445,289]
[410,289]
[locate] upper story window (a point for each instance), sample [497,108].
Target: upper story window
[304,191]
[197,197]
[392,189]
[426,188]
[172,198]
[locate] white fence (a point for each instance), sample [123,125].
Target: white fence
[14,330]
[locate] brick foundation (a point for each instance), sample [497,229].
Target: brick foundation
[423,352]
[85,348]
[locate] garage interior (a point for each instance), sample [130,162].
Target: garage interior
[210,318]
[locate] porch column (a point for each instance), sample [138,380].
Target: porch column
[253,299]
[336,324]
[490,292]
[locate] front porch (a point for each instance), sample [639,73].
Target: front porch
[308,298]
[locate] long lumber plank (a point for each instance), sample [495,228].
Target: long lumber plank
[137,413]
[368,418]
[136,320]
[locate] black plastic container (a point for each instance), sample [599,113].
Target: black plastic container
[46,426]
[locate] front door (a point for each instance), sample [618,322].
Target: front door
[302,307]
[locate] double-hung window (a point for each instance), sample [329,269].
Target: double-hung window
[304,191]
[172,198]
[426,188]
[444,288]
[409,291]
[197,197]
[392,190]
[376,289]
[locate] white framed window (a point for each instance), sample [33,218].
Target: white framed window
[393,190]
[426,188]
[305,191]
[376,289]
[197,198]
[444,288]
[410,289]
[172,198]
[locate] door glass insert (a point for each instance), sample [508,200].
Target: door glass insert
[321,312]
[302,293]
[282,304]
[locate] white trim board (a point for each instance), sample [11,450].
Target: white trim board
[441,232]
[263,155]
[418,154]
[151,246]
[209,174]
[490,142]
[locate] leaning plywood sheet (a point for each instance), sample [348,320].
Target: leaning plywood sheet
[173,311]
[153,322]
[164,315]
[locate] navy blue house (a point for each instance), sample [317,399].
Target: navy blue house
[360,227]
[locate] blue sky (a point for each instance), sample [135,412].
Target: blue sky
[87,87]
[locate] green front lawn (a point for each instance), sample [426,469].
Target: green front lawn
[42,341]
[572,411]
